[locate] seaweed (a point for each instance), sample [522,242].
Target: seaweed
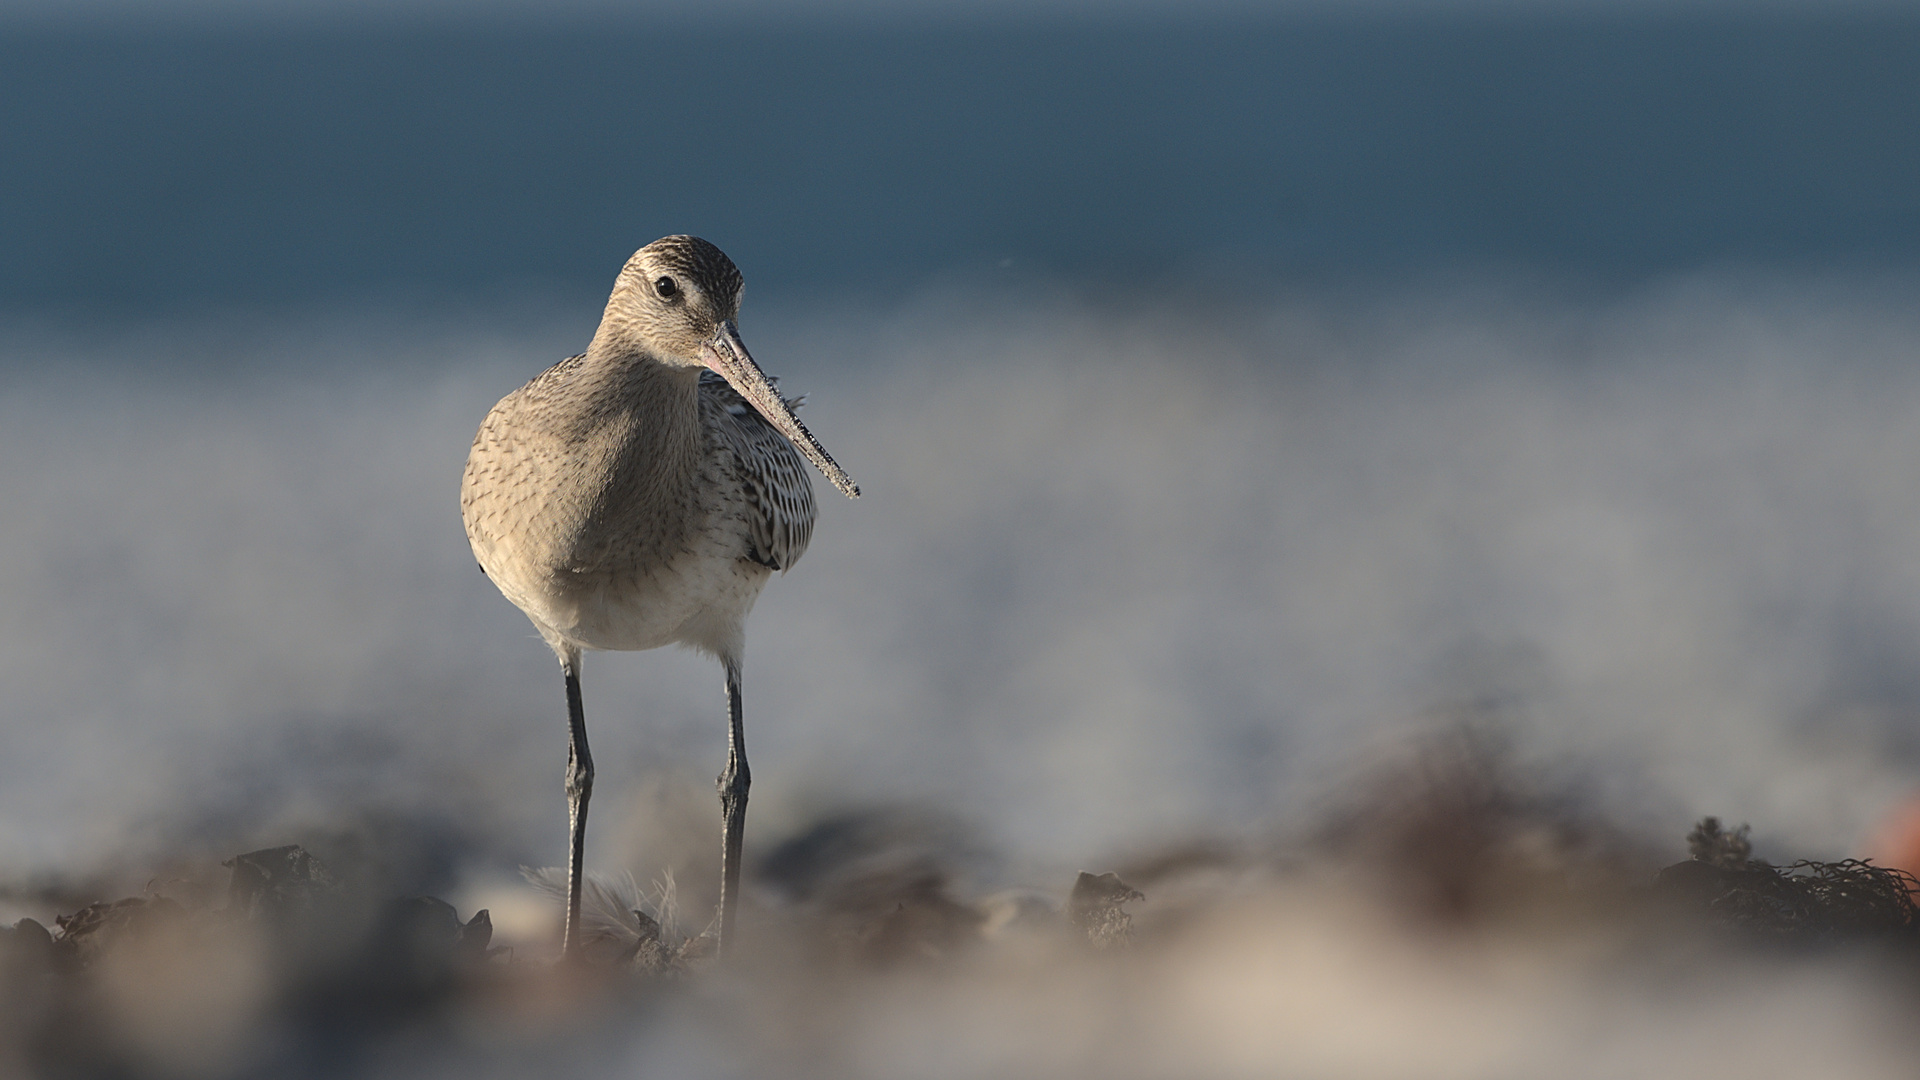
[1805,901]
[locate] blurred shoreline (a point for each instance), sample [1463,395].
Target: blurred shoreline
[1125,572]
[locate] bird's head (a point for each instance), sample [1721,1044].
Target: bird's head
[672,297]
[676,301]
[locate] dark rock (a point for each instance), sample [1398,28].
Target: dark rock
[1097,907]
[417,938]
[28,945]
[99,927]
[276,882]
[474,937]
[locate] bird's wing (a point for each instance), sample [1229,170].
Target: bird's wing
[772,476]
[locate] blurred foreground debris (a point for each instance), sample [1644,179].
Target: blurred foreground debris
[149,985]
[1806,901]
[1097,907]
[879,886]
[97,928]
[1455,832]
[276,882]
[292,970]
[1709,844]
[27,944]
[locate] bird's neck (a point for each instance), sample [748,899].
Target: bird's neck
[648,414]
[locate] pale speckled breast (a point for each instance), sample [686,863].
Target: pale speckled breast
[633,516]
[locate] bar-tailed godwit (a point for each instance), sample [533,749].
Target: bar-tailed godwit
[639,495]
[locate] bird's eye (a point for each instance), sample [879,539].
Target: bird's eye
[667,288]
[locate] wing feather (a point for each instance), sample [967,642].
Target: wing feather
[773,479]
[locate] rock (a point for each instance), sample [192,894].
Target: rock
[28,945]
[474,937]
[1097,907]
[276,882]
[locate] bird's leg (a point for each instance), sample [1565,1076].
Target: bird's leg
[579,788]
[734,781]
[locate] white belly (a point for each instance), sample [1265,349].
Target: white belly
[693,599]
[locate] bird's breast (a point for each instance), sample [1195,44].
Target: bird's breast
[611,538]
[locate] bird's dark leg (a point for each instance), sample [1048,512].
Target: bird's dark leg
[579,789]
[734,781]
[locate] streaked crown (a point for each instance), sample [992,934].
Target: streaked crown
[706,266]
[671,298]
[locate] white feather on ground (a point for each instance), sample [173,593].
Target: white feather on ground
[616,910]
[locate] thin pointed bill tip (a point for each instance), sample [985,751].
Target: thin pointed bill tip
[728,356]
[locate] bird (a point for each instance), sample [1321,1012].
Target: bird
[640,494]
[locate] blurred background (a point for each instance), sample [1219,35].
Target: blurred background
[1234,390]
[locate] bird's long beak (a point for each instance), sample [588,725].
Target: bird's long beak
[725,354]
